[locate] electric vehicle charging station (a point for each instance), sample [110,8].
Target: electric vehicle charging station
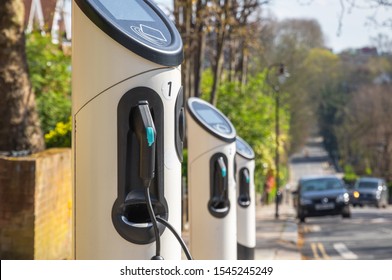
[211,183]
[128,128]
[246,202]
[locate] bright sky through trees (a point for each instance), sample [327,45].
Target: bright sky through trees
[356,29]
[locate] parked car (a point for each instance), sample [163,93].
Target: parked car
[370,191]
[321,196]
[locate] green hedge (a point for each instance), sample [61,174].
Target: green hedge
[50,75]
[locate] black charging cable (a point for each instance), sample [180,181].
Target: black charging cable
[154,224]
[154,219]
[143,124]
[178,237]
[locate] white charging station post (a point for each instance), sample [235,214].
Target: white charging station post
[246,202]
[212,195]
[128,123]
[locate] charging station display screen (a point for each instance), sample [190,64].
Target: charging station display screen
[212,118]
[244,149]
[138,25]
[126,10]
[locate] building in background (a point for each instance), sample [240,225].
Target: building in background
[52,16]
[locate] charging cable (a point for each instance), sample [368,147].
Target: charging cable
[154,224]
[146,134]
[178,237]
[154,220]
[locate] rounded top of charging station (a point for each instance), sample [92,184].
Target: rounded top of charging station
[138,25]
[212,119]
[243,149]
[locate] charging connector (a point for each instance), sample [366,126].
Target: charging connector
[145,130]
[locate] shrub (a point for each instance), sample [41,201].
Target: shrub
[50,75]
[60,136]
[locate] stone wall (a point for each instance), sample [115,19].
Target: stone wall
[36,206]
[17,177]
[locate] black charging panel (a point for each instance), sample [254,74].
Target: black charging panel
[179,116]
[218,205]
[244,195]
[130,208]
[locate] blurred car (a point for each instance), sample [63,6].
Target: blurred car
[321,196]
[369,191]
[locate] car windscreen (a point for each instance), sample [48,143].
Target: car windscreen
[321,184]
[367,185]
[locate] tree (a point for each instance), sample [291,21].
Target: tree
[254,120]
[231,36]
[191,19]
[19,123]
[213,32]
[290,42]
[365,136]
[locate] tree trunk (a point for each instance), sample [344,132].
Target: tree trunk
[216,74]
[221,38]
[199,52]
[19,123]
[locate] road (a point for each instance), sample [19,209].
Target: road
[367,235]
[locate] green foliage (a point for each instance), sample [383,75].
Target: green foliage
[206,84]
[349,175]
[60,136]
[50,75]
[252,112]
[368,171]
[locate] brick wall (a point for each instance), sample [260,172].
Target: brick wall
[36,206]
[17,208]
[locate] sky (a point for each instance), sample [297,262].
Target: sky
[355,32]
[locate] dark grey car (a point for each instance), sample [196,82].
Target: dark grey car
[370,191]
[321,196]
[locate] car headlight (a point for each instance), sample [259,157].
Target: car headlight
[344,197]
[305,201]
[356,194]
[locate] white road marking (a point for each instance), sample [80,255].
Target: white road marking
[386,230]
[315,228]
[378,220]
[344,251]
[312,228]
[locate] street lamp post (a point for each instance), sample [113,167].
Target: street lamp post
[274,82]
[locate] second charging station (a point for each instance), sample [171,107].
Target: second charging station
[212,193]
[128,128]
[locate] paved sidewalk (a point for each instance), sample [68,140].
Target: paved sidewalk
[276,239]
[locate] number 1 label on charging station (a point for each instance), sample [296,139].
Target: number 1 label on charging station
[167,90]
